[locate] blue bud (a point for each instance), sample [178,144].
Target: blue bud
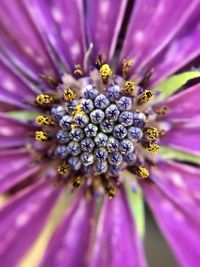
[101,140]
[81,120]
[87,105]
[58,112]
[115,158]
[74,163]
[101,101]
[130,158]
[107,126]
[74,148]
[91,130]
[113,92]
[97,116]
[87,159]
[71,106]
[126,118]
[124,103]
[66,122]
[135,133]
[63,136]
[101,154]
[87,145]
[90,92]
[76,134]
[114,170]
[112,112]
[112,144]
[101,167]
[126,146]
[139,119]
[61,151]
[119,131]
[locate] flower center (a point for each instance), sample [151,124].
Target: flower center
[96,126]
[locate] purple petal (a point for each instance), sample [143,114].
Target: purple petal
[22,219]
[184,137]
[15,167]
[13,132]
[69,244]
[152,26]
[67,14]
[179,52]
[117,243]
[184,106]
[175,206]
[104,19]
[21,40]
[10,84]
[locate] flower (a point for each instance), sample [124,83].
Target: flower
[97,129]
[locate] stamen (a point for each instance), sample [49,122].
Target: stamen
[161,111]
[49,79]
[145,97]
[126,65]
[78,71]
[99,60]
[44,120]
[105,72]
[69,94]
[151,133]
[142,172]
[152,147]
[111,191]
[44,99]
[63,169]
[41,135]
[129,87]
[77,182]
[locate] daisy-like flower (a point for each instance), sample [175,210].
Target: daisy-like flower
[103,126]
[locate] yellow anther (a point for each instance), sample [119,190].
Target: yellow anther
[77,110]
[129,87]
[152,147]
[161,111]
[126,65]
[111,191]
[152,133]
[78,71]
[142,172]
[145,97]
[73,126]
[41,135]
[77,182]
[43,120]
[63,169]
[44,99]
[105,72]
[69,94]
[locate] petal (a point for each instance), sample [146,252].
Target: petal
[184,137]
[184,106]
[10,83]
[22,220]
[69,244]
[176,210]
[104,19]
[15,167]
[179,52]
[13,132]
[21,41]
[117,243]
[151,29]
[73,37]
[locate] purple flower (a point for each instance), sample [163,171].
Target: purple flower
[55,64]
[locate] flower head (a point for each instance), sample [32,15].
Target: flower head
[101,124]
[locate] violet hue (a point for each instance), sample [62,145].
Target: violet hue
[49,37]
